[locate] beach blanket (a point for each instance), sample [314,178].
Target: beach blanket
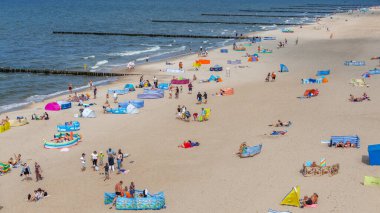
[150,95]
[203,61]
[216,68]
[323,72]
[371,181]
[359,82]
[224,50]
[278,132]
[69,127]
[118,91]
[171,70]
[354,63]
[234,62]
[269,38]
[274,211]
[163,86]
[137,103]
[287,30]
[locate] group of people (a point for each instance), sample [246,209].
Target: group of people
[97,160]
[281,124]
[44,116]
[78,98]
[176,89]
[270,77]
[202,98]
[184,114]
[26,171]
[282,44]
[37,195]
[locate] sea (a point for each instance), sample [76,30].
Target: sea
[27,41]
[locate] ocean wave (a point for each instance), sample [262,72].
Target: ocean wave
[87,57]
[179,49]
[99,63]
[39,98]
[136,52]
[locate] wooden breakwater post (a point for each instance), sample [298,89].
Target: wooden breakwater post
[62,72]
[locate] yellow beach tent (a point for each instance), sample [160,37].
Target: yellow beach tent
[292,198]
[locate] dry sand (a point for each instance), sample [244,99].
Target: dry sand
[210,178]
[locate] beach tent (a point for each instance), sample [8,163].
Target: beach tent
[354,139]
[164,86]
[203,61]
[374,154]
[323,72]
[52,106]
[371,181]
[292,198]
[64,104]
[227,91]
[251,151]
[130,87]
[283,68]
[197,65]
[5,127]
[88,113]
[354,63]
[132,109]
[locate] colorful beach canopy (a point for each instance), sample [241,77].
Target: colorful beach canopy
[283,68]
[293,197]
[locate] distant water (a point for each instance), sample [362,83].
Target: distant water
[26,39]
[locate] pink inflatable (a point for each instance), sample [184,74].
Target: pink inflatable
[52,106]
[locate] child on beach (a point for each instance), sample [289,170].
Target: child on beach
[106,172]
[83,161]
[100,158]
[190,87]
[181,88]
[114,97]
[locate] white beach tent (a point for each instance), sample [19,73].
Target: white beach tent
[88,113]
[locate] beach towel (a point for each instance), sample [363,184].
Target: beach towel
[371,181]
[359,82]
[170,70]
[354,63]
[278,132]
[323,72]
[274,211]
[223,50]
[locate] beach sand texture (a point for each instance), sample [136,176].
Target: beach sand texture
[210,178]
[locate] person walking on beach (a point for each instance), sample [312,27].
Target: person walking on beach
[118,192]
[90,84]
[95,92]
[190,87]
[180,88]
[83,161]
[297,41]
[176,92]
[170,93]
[268,77]
[199,98]
[100,158]
[155,82]
[119,159]
[94,157]
[38,171]
[106,172]
[205,97]
[331,36]
[25,170]
[114,97]
[70,88]
[111,161]
[286,41]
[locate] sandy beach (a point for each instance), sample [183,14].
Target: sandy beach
[211,178]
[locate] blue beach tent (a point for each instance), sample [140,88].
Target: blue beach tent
[374,154]
[283,68]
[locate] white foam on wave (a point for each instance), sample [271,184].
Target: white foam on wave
[136,52]
[99,63]
[39,98]
[88,57]
[179,49]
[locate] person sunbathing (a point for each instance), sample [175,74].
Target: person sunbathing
[106,106]
[307,201]
[242,148]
